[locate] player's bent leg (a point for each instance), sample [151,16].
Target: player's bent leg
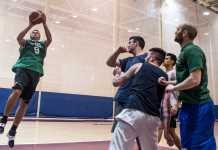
[21,110]
[12,101]
[176,138]
[149,133]
[123,137]
[160,132]
[8,108]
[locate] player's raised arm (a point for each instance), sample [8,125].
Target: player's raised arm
[47,31]
[119,79]
[20,37]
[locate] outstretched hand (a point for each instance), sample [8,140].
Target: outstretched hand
[43,18]
[117,70]
[170,88]
[42,15]
[162,81]
[122,49]
[173,110]
[31,24]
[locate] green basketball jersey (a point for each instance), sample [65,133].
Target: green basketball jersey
[31,56]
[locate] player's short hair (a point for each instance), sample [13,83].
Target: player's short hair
[172,57]
[138,39]
[158,53]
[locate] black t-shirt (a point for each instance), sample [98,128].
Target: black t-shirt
[146,93]
[123,91]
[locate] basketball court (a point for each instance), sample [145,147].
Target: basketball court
[73,108]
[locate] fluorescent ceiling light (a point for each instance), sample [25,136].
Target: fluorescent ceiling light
[7,40]
[94,9]
[130,31]
[206,13]
[57,22]
[74,16]
[176,20]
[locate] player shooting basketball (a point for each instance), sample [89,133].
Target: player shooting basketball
[28,70]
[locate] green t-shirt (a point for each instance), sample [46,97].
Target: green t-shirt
[191,58]
[31,56]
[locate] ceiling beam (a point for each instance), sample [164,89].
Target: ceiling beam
[209,4]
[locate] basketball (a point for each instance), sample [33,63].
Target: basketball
[35,17]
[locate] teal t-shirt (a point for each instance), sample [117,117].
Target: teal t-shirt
[191,58]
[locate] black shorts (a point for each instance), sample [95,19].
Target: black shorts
[173,122]
[26,80]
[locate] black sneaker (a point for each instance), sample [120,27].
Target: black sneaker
[2,127]
[11,137]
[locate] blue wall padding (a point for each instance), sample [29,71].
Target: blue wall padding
[32,108]
[67,105]
[216,111]
[78,106]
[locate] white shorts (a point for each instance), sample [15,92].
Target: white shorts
[131,124]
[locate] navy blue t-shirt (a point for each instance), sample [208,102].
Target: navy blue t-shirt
[146,93]
[123,91]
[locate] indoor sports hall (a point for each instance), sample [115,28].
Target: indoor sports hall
[73,107]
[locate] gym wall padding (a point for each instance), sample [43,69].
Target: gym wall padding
[67,105]
[64,105]
[32,108]
[216,111]
[78,106]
